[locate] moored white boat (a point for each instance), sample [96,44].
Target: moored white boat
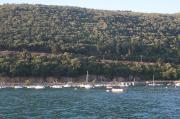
[177,84]
[169,84]
[153,83]
[39,87]
[133,84]
[88,86]
[56,86]
[117,90]
[35,87]
[81,86]
[98,85]
[66,86]
[109,86]
[124,84]
[2,87]
[18,87]
[29,87]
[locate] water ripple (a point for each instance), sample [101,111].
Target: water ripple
[135,103]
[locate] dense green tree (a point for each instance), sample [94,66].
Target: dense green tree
[114,34]
[40,40]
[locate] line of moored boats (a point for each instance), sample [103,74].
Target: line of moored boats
[116,87]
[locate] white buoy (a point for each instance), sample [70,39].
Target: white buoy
[107,90]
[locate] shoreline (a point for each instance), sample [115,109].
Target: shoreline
[75,81]
[76,84]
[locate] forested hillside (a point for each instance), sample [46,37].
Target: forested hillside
[86,34]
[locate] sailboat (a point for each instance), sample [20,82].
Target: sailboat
[133,83]
[87,86]
[154,84]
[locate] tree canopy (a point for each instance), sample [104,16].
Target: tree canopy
[86,34]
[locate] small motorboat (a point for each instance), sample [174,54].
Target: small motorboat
[66,86]
[18,87]
[30,87]
[169,84]
[88,86]
[117,90]
[2,87]
[36,87]
[124,85]
[154,84]
[56,86]
[81,86]
[98,85]
[109,87]
[39,87]
[177,84]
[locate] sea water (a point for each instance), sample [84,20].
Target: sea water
[143,102]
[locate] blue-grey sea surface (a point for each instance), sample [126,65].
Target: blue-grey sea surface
[143,102]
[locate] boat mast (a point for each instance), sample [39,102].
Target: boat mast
[153,79]
[134,80]
[87,76]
